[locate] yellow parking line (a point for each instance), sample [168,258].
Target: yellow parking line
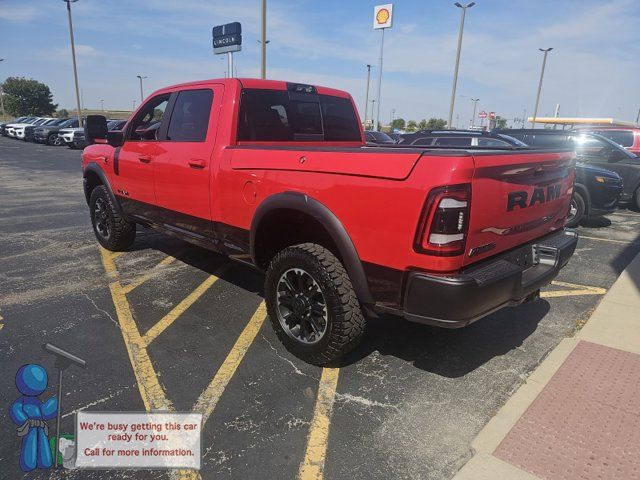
[210,396]
[610,240]
[178,310]
[312,467]
[143,278]
[152,393]
[574,290]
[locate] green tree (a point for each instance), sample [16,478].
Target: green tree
[24,96]
[412,126]
[398,124]
[436,123]
[62,113]
[500,122]
[423,124]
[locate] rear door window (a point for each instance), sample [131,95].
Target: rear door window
[491,142]
[190,116]
[423,141]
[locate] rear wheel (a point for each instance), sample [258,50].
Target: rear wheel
[111,229]
[576,210]
[636,200]
[312,305]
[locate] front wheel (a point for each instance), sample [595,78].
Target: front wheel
[312,305]
[111,229]
[54,140]
[576,210]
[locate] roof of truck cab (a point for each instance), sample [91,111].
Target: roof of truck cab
[257,83]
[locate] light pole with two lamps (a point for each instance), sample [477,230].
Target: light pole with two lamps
[455,71]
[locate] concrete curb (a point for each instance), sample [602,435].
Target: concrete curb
[614,324]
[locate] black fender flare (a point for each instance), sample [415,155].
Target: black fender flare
[307,205]
[97,170]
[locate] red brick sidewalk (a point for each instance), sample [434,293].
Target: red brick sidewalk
[577,416]
[585,423]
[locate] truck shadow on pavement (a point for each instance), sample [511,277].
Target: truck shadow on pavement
[446,352]
[450,353]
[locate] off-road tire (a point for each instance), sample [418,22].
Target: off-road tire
[581,207]
[121,233]
[346,321]
[636,200]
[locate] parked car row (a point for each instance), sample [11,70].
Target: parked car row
[51,131]
[607,171]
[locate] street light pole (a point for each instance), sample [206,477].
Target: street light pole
[463,9]
[544,63]
[2,98]
[141,93]
[379,82]
[73,56]
[473,117]
[263,41]
[366,100]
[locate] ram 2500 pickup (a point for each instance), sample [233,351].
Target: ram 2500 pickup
[277,175]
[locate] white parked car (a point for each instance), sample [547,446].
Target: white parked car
[66,134]
[18,131]
[12,127]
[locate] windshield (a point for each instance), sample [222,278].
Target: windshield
[67,123]
[593,141]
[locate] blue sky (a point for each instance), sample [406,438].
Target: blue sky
[592,71]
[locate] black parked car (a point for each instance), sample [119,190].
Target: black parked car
[458,139]
[49,133]
[597,190]
[29,132]
[378,138]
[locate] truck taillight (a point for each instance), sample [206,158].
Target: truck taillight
[444,222]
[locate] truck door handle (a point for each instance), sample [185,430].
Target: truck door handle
[196,163]
[144,158]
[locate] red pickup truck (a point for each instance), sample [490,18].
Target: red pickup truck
[276,175]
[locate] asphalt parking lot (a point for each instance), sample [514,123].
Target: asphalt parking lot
[169,325]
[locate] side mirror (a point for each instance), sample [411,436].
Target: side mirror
[115,138]
[95,129]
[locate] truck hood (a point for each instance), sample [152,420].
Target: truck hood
[590,169]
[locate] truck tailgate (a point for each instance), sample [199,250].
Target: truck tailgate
[515,198]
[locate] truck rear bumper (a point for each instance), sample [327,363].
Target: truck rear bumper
[508,279]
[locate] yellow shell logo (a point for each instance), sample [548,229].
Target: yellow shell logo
[382,16]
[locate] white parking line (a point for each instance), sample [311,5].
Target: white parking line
[611,240]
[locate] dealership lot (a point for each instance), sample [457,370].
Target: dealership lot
[171,326]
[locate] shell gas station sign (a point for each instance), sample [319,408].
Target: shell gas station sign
[382,16]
